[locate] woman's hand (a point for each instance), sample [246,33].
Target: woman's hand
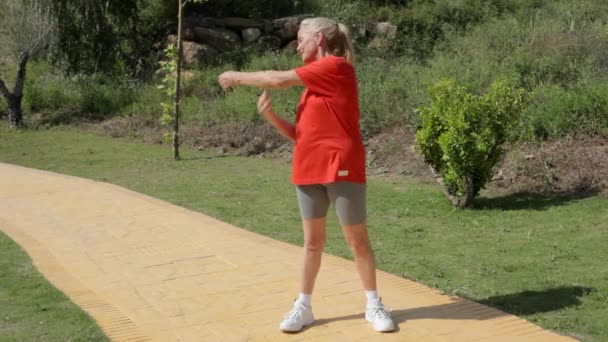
[228,79]
[264,104]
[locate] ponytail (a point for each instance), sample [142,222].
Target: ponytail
[345,45]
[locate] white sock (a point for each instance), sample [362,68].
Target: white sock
[304,299]
[372,297]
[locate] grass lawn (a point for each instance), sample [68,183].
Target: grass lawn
[544,258]
[31,309]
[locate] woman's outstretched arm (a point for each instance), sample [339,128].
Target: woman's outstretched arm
[260,79]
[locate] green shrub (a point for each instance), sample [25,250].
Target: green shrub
[389,93]
[347,12]
[266,9]
[422,24]
[103,98]
[158,12]
[47,90]
[549,46]
[145,103]
[556,112]
[462,135]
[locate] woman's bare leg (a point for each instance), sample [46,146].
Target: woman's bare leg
[314,242]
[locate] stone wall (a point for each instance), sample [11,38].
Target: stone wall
[206,38]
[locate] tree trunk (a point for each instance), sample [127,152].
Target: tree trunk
[15,114]
[458,201]
[469,193]
[177,82]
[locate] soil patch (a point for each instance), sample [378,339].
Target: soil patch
[573,165]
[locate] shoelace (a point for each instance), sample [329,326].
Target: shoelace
[380,312]
[295,313]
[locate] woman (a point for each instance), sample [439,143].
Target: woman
[328,157]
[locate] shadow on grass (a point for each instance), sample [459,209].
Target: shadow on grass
[217,156]
[528,201]
[521,303]
[531,302]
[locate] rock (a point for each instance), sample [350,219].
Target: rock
[188,34]
[386,30]
[269,27]
[280,22]
[364,30]
[184,74]
[198,53]
[251,34]
[287,27]
[171,39]
[220,39]
[270,42]
[238,23]
[291,47]
[289,31]
[197,21]
[377,43]
[194,52]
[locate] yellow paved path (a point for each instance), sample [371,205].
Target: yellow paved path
[147,270]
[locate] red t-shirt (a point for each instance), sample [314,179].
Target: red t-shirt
[328,146]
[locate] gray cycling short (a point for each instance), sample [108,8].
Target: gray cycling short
[348,198]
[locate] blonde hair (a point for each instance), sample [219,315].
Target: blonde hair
[336,35]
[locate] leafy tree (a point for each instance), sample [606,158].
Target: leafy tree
[95,35]
[25,28]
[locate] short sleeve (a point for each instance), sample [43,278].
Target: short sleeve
[319,76]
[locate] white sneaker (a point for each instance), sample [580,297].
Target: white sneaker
[299,317]
[379,317]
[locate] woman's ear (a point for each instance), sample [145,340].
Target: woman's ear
[319,38]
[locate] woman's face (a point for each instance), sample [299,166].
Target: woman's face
[308,44]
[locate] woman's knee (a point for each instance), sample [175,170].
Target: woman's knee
[314,234]
[314,245]
[360,246]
